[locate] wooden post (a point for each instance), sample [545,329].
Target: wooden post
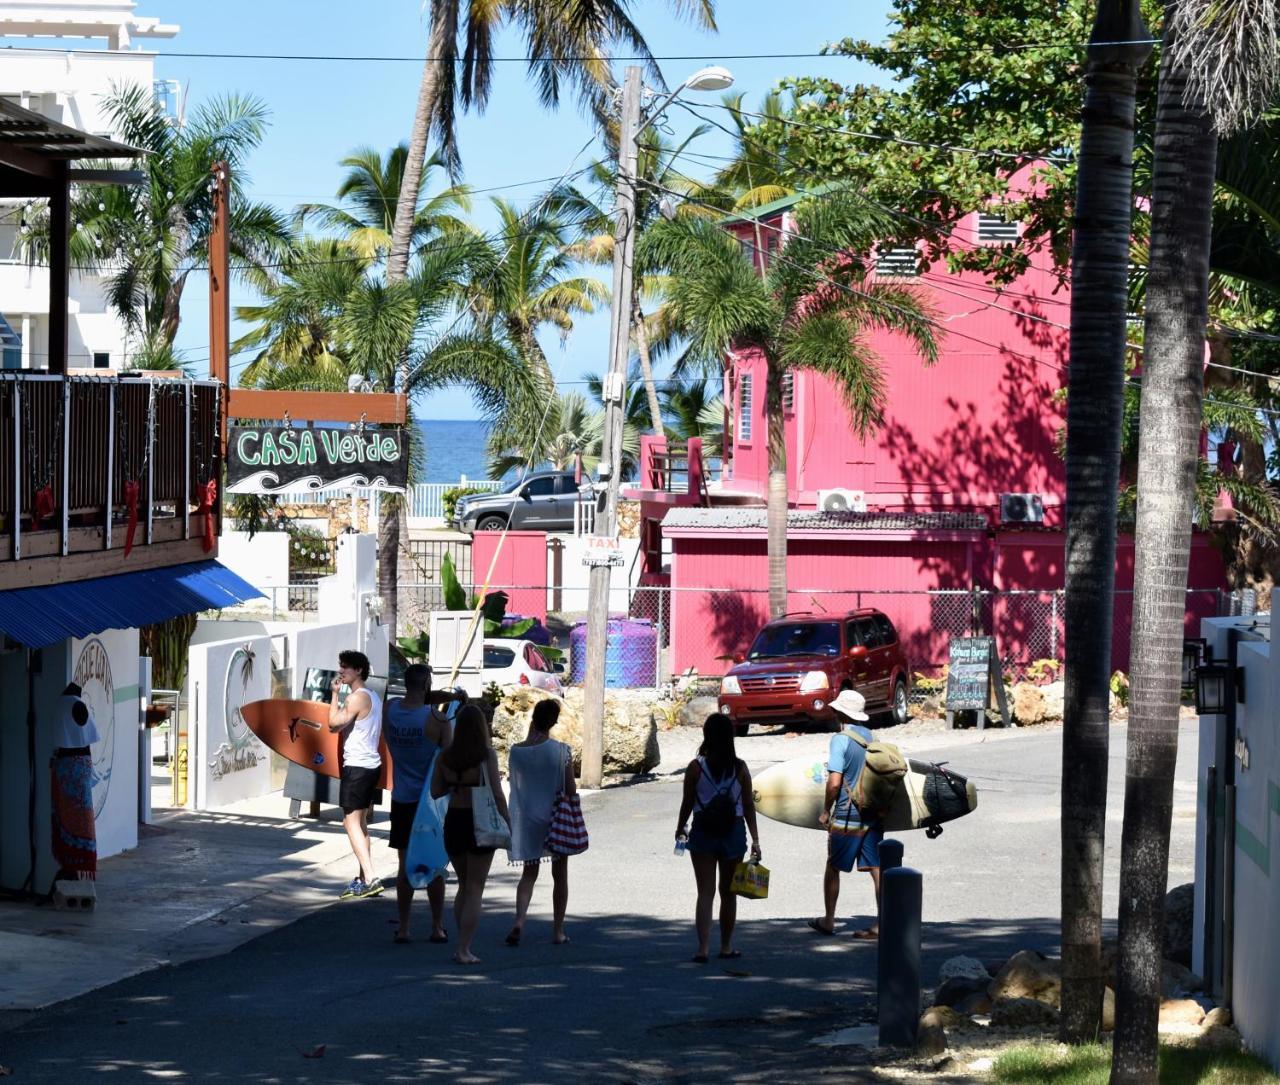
[59,268]
[219,293]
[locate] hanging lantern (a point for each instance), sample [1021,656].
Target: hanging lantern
[1195,651]
[1213,691]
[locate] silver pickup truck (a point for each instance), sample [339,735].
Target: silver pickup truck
[540,502]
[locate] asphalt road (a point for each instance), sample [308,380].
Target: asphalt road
[622,1003]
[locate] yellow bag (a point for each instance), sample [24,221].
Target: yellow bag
[750,880]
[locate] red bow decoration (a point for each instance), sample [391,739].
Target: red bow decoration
[130,503]
[208,494]
[43,506]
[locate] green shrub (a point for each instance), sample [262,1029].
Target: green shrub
[308,549]
[450,498]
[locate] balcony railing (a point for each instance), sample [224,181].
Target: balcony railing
[90,466]
[672,472]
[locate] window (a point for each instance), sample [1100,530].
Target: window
[566,485]
[744,407]
[901,263]
[788,391]
[101,359]
[498,658]
[801,639]
[994,228]
[535,659]
[868,634]
[852,635]
[888,635]
[748,246]
[541,487]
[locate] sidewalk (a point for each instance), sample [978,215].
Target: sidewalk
[197,885]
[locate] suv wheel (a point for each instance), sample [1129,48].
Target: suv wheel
[898,706]
[740,730]
[491,523]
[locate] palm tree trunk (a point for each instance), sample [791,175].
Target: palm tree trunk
[1099,270]
[646,366]
[1168,450]
[776,514]
[443,30]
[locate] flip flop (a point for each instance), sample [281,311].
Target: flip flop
[563,941]
[513,939]
[815,925]
[866,935]
[732,955]
[402,939]
[700,958]
[438,939]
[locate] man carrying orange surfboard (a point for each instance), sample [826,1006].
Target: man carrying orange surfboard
[851,838]
[360,717]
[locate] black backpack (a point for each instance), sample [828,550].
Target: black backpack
[718,817]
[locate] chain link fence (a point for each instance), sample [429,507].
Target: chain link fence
[658,633]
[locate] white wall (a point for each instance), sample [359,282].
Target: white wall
[228,762]
[345,596]
[574,576]
[263,561]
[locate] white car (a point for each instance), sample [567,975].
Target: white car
[510,662]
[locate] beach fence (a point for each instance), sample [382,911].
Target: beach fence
[425,499]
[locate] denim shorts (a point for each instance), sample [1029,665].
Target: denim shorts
[846,849]
[731,846]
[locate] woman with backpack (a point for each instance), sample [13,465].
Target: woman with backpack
[717,791]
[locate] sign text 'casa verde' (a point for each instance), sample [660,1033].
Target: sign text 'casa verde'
[274,459]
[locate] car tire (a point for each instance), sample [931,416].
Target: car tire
[740,730]
[898,707]
[491,523]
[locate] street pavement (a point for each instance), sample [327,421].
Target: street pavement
[331,999]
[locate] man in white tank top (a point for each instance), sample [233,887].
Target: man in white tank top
[360,717]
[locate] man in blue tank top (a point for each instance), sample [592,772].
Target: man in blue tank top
[416,726]
[851,839]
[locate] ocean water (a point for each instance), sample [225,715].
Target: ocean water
[454,448]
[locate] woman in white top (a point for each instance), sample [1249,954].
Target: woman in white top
[540,768]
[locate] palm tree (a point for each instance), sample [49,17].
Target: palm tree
[694,411]
[147,239]
[756,175]
[369,193]
[1217,74]
[810,310]
[1100,264]
[635,410]
[572,433]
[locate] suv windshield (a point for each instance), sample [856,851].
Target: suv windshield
[800,639]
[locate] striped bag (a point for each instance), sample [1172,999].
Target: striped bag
[567,834]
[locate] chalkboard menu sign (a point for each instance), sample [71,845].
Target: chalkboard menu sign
[973,668]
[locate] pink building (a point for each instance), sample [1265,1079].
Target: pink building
[962,487]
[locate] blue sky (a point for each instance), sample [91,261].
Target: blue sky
[320,111]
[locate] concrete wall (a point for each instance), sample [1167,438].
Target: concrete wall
[263,560]
[228,763]
[1255,759]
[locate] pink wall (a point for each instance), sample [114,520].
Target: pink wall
[522,560]
[981,422]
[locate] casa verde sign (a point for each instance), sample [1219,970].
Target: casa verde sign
[275,459]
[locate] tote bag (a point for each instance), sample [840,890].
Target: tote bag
[425,858]
[567,834]
[491,830]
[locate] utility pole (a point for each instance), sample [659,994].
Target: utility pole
[624,239]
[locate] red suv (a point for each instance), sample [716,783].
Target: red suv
[798,663]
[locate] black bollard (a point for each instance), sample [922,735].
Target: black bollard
[898,971]
[890,854]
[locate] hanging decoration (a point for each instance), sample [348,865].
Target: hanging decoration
[208,494]
[41,469]
[133,473]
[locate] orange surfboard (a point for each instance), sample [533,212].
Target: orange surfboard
[299,732]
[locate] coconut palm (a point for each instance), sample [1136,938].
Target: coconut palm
[1099,260]
[369,193]
[810,310]
[693,410]
[755,176]
[1218,71]
[147,239]
[571,433]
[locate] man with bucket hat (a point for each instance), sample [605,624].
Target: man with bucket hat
[852,839]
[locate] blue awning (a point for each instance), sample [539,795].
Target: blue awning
[38,617]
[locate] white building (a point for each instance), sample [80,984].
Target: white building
[66,86]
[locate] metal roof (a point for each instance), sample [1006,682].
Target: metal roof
[754,519]
[38,617]
[27,130]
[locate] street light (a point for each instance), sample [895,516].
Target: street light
[614,386]
[1213,687]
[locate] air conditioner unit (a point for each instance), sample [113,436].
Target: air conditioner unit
[1021,509]
[842,501]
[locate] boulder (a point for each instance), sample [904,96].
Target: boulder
[1108,1010]
[694,712]
[1179,918]
[930,1038]
[1218,1017]
[1176,980]
[630,734]
[1022,1012]
[975,1005]
[1181,1011]
[1028,703]
[1055,696]
[958,988]
[1028,974]
[944,1017]
[963,968]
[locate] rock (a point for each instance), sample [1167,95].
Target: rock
[694,713]
[1028,974]
[1022,1012]
[1219,1038]
[930,1040]
[944,1017]
[1108,1010]
[963,968]
[1179,918]
[1028,703]
[975,1005]
[630,734]
[1181,1011]
[1218,1017]
[1055,695]
[1177,981]
[958,988]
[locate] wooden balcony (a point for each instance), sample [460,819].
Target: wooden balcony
[80,457]
[671,473]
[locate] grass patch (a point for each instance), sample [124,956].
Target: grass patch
[1057,1064]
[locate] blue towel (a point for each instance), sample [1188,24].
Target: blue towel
[425,858]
